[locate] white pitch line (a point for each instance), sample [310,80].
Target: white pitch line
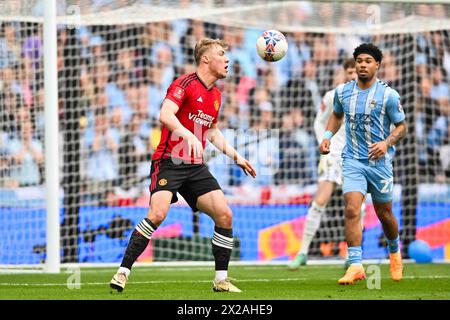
[197,281]
[142,269]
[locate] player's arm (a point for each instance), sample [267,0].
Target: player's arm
[378,150]
[333,125]
[215,136]
[170,121]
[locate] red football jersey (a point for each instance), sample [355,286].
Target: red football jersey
[198,110]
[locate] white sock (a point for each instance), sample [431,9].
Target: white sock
[312,223]
[124,270]
[221,275]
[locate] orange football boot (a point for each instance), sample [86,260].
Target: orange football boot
[354,273]
[396,266]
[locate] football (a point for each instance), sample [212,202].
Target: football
[271,45]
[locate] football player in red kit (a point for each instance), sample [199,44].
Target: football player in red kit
[189,116]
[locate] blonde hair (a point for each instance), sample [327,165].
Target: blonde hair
[204,44]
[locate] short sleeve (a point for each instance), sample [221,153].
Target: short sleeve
[176,94]
[337,105]
[394,108]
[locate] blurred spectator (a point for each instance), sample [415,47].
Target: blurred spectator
[325,58]
[234,37]
[37,114]
[231,117]
[10,50]
[116,123]
[10,100]
[98,104]
[133,155]
[164,62]
[97,51]
[116,92]
[100,73]
[292,64]
[262,141]
[194,33]
[272,85]
[308,144]
[242,85]
[261,110]
[292,155]
[125,60]
[438,137]
[422,55]
[243,51]
[389,71]
[426,113]
[437,47]
[87,89]
[156,91]
[136,94]
[163,39]
[27,155]
[103,147]
[27,81]
[84,37]
[440,88]
[33,46]
[427,104]
[304,93]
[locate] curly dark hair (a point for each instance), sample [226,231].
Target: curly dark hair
[370,49]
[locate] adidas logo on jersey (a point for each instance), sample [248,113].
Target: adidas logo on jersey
[200,99]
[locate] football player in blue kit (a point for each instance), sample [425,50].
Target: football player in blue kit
[370,107]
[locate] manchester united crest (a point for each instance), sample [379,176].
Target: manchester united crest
[216,105]
[162,182]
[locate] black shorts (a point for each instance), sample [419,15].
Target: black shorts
[190,180]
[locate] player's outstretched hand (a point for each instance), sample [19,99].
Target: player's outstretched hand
[377,150]
[246,166]
[325,146]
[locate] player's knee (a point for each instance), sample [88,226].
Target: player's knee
[351,212]
[225,217]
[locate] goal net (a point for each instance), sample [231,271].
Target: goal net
[116,59]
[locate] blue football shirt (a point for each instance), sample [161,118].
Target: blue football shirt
[369,115]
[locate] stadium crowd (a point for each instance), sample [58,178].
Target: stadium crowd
[124,71]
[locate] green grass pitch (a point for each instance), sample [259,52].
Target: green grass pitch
[421,281]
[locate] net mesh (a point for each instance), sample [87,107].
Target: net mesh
[116,60]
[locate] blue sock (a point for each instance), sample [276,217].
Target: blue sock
[355,255]
[393,245]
